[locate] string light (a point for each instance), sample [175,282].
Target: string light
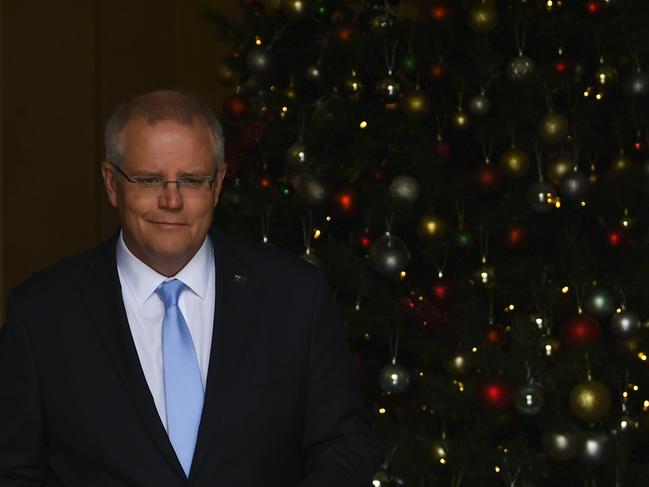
[363,124]
[565,289]
[382,410]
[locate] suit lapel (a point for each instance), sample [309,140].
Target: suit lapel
[103,297]
[230,335]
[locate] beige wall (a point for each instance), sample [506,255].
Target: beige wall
[64,67]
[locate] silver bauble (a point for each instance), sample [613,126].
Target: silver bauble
[479,104]
[561,444]
[529,399]
[542,197]
[394,378]
[313,190]
[595,448]
[389,255]
[637,84]
[625,324]
[258,61]
[600,302]
[404,189]
[574,186]
[520,68]
[297,155]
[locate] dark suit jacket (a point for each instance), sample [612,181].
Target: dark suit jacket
[282,407]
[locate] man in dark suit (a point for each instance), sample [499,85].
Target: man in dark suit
[172,355]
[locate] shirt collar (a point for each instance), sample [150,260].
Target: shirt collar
[142,280]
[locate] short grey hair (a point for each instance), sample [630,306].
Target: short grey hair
[160,106]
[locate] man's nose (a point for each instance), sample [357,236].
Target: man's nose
[170,196]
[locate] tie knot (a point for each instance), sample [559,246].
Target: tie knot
[169,292]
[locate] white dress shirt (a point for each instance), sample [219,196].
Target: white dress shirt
[145,311]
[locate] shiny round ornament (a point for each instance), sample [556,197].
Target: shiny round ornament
[558,167]
[542,197]
[561,444]
[516,236]
[574,186]
[297,156]
[590,400]
[488,178]
[225,74]
[483,18]
[636,84]
[529,399]
[581,330]
[520,68]
[621,163]
[354,86]
[295,9]
[313,190]
[441,291]
[464,240]
[416,105]
[625,324]
[389,89]
[258,61]
[460,119]
[600,302]
[495,394]
[460,364]
[431,227]
[596,448]
[479,104]
[553,128]
[236,107]
[514,162]
[409,62]
[389,255]
[404,189]
[394,378]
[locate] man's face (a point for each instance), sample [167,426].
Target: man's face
[164,229]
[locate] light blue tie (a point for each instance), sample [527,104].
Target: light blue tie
[182,377]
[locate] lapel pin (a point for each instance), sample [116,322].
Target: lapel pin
[239,279]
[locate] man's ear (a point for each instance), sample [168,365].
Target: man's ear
[218,181]
[110,182]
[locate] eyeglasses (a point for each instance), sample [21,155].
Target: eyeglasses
[154,185]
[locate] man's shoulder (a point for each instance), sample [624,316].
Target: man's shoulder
[65,273]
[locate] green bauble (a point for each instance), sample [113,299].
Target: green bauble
[463,240]
[600,302]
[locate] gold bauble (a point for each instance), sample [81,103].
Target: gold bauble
[558,168]
[483,18]
[514,162]
[416,105]
[430,227]
[354,86]
[460,119]
[460,364]
[590,400]
[606,75]
[295,8]
[553,128]
[226,74]
[621,162]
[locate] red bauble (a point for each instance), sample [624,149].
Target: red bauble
[516,236]
[236,107]
[364,241]
[345,201]
[563,66]
[265,182]
[495,393]
[443,149]
[581,330]
[496,336]
[343,32]
[488,178]
[438,12]
[438,70]
[594,7]
[617,237]
[441,291]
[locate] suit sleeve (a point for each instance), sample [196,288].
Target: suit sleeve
[339,448]
[22,460]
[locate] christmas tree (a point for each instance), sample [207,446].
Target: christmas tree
[472,176]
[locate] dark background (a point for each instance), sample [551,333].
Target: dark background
[65,66]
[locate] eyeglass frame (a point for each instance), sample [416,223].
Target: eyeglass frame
[179,181]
